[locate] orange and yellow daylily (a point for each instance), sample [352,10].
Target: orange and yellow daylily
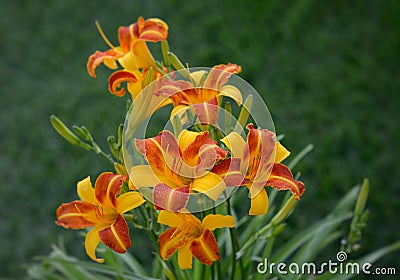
[191,237]
[202,91]
[132,54]
[101,208]
[178,167]
[255,163]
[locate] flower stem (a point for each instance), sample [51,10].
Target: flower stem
[235,246]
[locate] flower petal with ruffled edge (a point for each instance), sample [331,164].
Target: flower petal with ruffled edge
[166,198]
[180,164]
[116,236]
[132,79]
[101,207]
[258,166]
[281,178]
[190,237]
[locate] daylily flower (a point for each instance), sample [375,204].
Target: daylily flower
[102,208]
[132,54]
[256,164]
[178,167]
[202,92]
[190,237]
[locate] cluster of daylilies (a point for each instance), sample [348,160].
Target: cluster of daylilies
[181,174]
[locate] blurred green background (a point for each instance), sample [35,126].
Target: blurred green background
[328,70]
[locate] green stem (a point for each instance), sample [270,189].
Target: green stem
[235,246]
[106,156]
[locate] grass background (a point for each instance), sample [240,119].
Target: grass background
[328,71]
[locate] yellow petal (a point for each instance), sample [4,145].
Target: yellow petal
[212,222]
[259,203]
[179,110]
[235,144]
[128,62]
[280,152]
[134,89]
[187,137]
[210,184]
[169,218]
[232,92]
[92,241]
[128,201]
[143,55]
[86,191]
[196,76]
[185,257]
[143,176]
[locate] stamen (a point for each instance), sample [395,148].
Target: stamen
[103,35]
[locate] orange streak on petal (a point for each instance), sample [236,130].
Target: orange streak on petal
[203,149]
[108,57]
[76,215]
[205,248]
[125,38]
[220,74]
[116,236]
[119,77]
[171,199]
[107,187]
[154,30]
[168,245]
[261,147]
[281,178]
[229,170]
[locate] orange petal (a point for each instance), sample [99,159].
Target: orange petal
[119,77]
[152,30]
[205,248]
[117,235]
[126,37]
[203,151]
[259,155]
[76,215]
[168,198]
[229,170]
[207,112]
[281,178]
[168,245]
[107,187]
[108,57]
[220,74]
[155,149]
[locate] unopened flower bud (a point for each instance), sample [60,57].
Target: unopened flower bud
[284,212]
[66,133]
[362,198]
[244,113]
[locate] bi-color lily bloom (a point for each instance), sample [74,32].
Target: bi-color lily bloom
[178,167]
[256,164]
[101,208]
[202,92]
[132,54]
[190,237]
